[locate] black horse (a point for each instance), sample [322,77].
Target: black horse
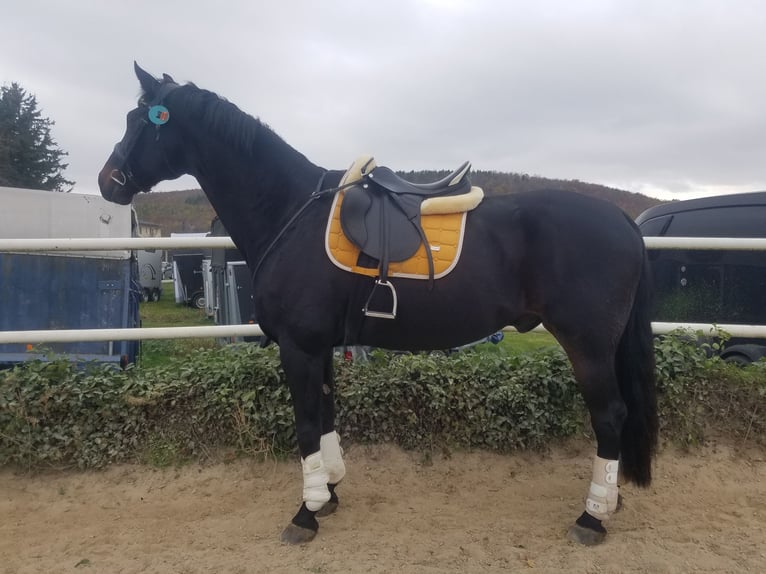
[575,264]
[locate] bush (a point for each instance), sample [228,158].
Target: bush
[61,414]
[701,396]
[466,400]
[235,398]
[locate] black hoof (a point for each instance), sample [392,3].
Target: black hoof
[585,536]
[297,535]
[303,527]
[619,503]
[328,509]
[587,531]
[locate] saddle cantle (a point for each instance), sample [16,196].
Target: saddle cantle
[380,214]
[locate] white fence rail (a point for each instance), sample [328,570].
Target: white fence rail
[120,243]
[73,335]
[116,243]
[100,244]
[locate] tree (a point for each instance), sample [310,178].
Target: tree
[29,157]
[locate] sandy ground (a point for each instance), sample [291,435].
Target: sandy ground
[471,512]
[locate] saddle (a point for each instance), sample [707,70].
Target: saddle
[380,215]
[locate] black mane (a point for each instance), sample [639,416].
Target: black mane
[218,117]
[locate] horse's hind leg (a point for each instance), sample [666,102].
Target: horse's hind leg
[595,373]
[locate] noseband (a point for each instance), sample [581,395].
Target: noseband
[156,115]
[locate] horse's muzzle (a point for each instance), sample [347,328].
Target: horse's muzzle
[113,185]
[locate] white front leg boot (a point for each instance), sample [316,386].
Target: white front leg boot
[315,479]
[332,456]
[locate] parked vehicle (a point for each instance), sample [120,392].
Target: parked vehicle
[187,279]
[711,286]
[167,270]
[150,273]
[67,290]
[230,285]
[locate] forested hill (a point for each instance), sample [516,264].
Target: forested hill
[186,211]
[189,211]
[498,182]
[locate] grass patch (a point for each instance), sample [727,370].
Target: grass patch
[167,313]
[514,343]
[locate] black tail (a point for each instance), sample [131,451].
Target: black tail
[636,377]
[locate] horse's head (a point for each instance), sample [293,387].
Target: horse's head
[151,150]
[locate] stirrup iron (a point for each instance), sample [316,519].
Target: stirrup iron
[381,314]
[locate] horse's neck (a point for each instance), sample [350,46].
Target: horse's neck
[255,197]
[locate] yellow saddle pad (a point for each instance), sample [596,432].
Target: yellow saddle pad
[445,237]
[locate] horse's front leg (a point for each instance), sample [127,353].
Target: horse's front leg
[329,443]
[306,373]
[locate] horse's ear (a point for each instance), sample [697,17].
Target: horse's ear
[148,82]
[167,79]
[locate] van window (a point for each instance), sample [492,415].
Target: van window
[739,221]
[693,292]
[656,226]
[745,294]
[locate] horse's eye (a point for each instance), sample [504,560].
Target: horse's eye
[142,101]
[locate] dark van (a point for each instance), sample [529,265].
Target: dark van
[711,286]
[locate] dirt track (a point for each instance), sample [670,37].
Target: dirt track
[477,512]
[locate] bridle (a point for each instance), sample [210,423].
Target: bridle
[156,115]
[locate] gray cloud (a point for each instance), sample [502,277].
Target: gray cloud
[666,98]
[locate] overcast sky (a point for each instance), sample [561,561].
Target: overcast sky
[666,97]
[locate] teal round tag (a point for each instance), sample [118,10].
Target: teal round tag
[159,115]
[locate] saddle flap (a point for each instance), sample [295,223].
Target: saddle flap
[377,225]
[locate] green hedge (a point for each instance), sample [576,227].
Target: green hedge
[234,398]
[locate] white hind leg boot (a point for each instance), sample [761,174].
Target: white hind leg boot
[603,493]
[315,478]
[332,456]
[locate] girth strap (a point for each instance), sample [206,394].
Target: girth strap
[412,211]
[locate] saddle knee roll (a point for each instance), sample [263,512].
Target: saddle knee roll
[332,456]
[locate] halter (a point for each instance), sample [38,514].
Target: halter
[156,115]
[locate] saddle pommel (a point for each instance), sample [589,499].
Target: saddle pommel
[363,165]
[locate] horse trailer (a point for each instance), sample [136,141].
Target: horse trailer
[230,286]
[187,274]
[188,283]
[67,290]
[711,286]
[150,273]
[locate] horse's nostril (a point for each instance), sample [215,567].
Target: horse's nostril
[118,177]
